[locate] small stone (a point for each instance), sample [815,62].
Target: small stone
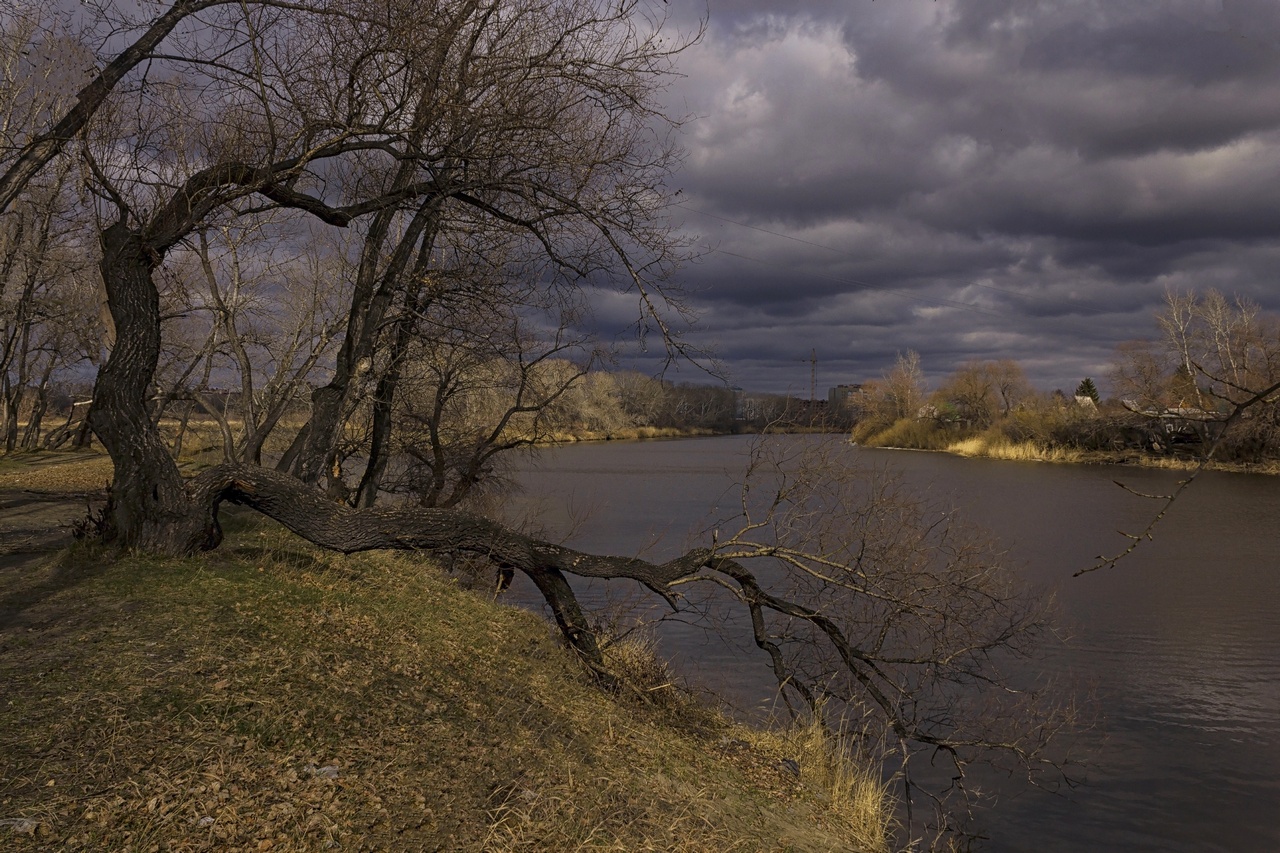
[329,771]
[23,826]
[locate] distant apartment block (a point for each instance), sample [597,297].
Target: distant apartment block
[843,396]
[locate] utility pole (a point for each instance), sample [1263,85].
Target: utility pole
[813,375]
[811,406]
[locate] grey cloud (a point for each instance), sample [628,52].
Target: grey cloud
[972,179]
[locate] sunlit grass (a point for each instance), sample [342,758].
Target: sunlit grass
[56,471]
[999,447]
[909,433]
[271,696]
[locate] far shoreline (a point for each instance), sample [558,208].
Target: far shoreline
[1002,453]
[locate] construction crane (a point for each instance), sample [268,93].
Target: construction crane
[811,406]
[813,375]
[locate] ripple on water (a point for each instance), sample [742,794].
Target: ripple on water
[1180,643]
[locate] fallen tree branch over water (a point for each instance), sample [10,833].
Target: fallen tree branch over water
[868,603]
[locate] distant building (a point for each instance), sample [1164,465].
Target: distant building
[843,396]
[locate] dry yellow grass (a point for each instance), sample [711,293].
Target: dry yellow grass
[78,471]
[984,446]
[267,696]
[832,770]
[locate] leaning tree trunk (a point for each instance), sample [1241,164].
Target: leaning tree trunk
[308,513]
[150,508]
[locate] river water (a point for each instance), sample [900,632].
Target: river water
[1178,645]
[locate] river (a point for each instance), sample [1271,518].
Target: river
[1178,645]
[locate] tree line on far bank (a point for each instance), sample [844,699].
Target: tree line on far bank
[480,392]
[1203,385]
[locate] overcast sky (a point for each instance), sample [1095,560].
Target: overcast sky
[972,180]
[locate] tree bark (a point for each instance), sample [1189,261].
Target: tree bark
[39,405]
[150,508]
[375,290]
[338,527]
[383,405]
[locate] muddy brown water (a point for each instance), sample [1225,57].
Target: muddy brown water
[1180,643]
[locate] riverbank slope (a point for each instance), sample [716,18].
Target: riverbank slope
[268,696]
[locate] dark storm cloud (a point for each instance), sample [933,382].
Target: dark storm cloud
[971,179]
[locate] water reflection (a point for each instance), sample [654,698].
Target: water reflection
[1181,641]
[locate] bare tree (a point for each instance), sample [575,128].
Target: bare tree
[1227,354]
[39,132]
[572,165]
[46,315]
[1011,383]
[1216,356]
[644,399]
[479,382]
[972,389]
[265,323]
[881,606]
[904,385]
[898,394]
[1142,374]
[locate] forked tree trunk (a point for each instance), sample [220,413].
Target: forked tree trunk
[150,508]
[376,287]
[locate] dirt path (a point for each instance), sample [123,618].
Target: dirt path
[42,496]
[37,522]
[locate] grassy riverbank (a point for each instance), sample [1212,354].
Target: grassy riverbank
[628,434]
[271,696]
[993,444]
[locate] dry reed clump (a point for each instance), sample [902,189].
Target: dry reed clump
[833,768]
[909,433]
[999,447]
[635,661]
[268,696]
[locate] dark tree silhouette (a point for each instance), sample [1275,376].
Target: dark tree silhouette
[1086,388]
